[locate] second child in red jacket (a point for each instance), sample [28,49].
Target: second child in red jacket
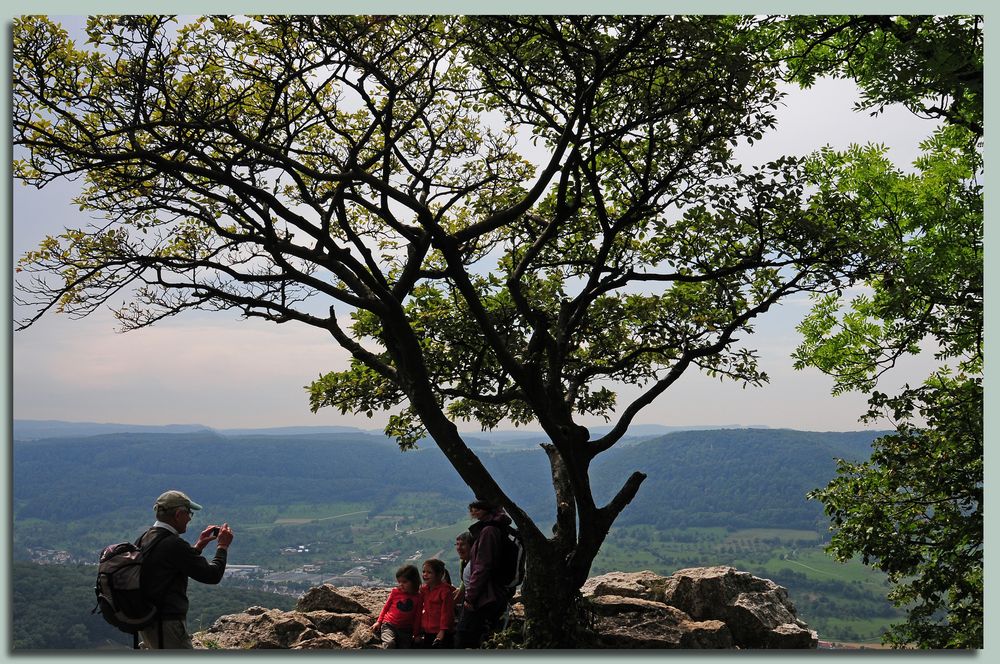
[399,620]
[437,620]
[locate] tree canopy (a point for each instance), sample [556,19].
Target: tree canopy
[915,508]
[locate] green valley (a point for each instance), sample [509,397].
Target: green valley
[349,508]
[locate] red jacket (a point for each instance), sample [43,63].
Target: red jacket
[438,608]
[402,611]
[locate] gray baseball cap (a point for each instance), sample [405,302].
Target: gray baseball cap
[173,499]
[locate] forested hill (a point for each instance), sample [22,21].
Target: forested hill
[732,477]
[738,478]
[126,471]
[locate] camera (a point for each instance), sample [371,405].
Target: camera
[214,532]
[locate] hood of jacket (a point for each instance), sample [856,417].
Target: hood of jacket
[498,519]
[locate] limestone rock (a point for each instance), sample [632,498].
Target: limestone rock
[312,640]
[752,607]
[698,608]
[631,622]
[345,623]
[274,629]
[624,584]
[792,635]
[242,631]
[327,598]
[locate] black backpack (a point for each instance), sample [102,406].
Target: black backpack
[510,567]
[119,595]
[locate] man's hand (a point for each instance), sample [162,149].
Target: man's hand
[225,536]
[206,536]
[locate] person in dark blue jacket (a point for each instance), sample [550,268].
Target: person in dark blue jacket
[170,562]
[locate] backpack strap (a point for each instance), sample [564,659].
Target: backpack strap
[149,546]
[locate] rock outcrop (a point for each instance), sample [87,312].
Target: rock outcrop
[697,608]
[753,612]
[325,617]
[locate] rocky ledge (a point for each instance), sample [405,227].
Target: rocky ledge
[697,608]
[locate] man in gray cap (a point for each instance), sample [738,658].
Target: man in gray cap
[168,563]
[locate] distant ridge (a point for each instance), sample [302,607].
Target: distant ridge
[294,431]
[39,429]
[636,431]
[36,429]
[660,429]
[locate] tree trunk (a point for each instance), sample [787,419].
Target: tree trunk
[553,612]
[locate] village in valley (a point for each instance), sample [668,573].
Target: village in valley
[294,581]
[351,548]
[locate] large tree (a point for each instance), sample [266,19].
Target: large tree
[368,176]
[915,509]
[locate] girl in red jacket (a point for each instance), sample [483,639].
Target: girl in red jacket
[437,595]
[399,620]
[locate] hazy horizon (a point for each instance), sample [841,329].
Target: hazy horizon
[507,430]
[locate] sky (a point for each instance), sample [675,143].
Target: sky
[217,370]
